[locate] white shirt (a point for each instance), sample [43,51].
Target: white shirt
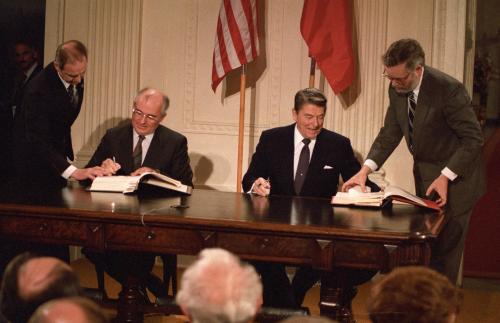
[145,143]
[298,145]
[445,171]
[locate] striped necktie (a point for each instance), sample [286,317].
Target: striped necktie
[412,105]
[137,153]
[302,166]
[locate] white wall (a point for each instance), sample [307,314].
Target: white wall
[168,44]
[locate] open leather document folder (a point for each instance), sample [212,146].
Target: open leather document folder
[129,184]
[391,194]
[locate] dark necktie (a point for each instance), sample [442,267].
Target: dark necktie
[412,105]
[302,166]
[137,153]
[73,96]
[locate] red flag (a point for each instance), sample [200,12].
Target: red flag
[326,28]
[236,39]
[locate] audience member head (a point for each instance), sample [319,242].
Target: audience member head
[309,112]
[25,55]
[71,61]
[403,64]
[414,295]
[29,281]
[150,107]
[69,310]
[217,288]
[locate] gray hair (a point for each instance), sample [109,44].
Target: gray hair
[406,51]
[165,99]
[217,288]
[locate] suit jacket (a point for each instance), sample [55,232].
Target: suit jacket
[445,134]
[167,152]
[273,158]
[42,129]
[15,93]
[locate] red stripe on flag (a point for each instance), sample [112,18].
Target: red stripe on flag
[234,9]
[235,32]
[222,49]
[252,23]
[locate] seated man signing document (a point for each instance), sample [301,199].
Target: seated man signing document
[301,159]
[143,145]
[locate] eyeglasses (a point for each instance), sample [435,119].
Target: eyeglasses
[139,114]
[396,79]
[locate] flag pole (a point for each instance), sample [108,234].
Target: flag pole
[312,72]
[241,127]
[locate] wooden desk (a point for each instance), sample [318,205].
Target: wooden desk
[288,230]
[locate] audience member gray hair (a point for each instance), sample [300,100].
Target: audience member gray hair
[218,288]
[69,310]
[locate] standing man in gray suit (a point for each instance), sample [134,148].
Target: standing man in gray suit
[433,112]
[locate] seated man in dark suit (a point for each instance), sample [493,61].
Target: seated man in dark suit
[301,159]
[143,145]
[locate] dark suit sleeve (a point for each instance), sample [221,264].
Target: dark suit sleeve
[102,152]
[180,169]
[36,107]
[461,119]
[259,165]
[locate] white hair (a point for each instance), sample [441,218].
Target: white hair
[218,288]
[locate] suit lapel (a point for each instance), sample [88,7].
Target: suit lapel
[154,149]
[125,150]
[422,110]
[288,152]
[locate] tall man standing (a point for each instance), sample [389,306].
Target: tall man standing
[301,159]
[27,66]
[432,111]
[143,145]
[42,129]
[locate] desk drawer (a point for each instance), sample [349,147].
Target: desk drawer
[164,240]
[47,230]
[266,247]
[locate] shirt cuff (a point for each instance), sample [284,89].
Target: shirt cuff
[449,174]
[371,164]
[69,171]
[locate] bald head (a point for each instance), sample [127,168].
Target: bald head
[39,273]
[29,281]
[69,310]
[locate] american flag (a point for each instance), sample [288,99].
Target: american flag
[236,39]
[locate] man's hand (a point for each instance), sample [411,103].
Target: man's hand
[140,171]
[90,173]
[110,165]
[261,187]
[358,179]
[440,186]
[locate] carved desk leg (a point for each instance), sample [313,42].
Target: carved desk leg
[335,300]
[130,303]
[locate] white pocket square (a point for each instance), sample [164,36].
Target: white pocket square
[327,167]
